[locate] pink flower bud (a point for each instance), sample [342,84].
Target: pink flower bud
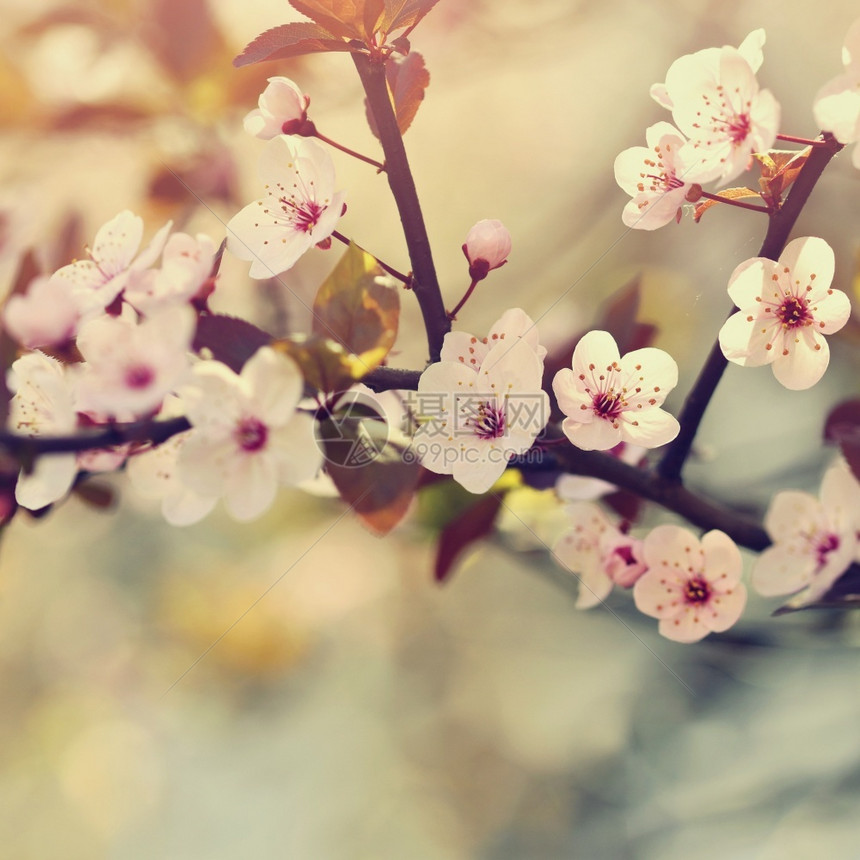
[282,110]
[487,246]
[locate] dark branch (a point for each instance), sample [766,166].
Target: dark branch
[779,228]
[425,285]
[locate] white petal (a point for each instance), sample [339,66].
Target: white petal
[806,361]
[650,429]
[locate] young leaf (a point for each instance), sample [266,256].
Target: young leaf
[779,169]
[289,40]
[407,80]
[349,19]
[324,363]
[472,525]
[405,13]
[356,308]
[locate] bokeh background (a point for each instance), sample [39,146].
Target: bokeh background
[298,688]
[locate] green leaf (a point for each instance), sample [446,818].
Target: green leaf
[356,308]
[324,363]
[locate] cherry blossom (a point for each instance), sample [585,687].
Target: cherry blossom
[46,315]
[785,309]
[514,324]
[650,176]
[131,366]
[300,208]
[186,265]
[152,473]
[246,437]
[599,553]
[477,419]
[716,102]
[608,399]
[837,103]
[814,540]
[282,110]
[112,266]
[487,246]
[693,587]
[43,405]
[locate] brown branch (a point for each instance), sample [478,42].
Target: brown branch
[779,228]
[425,283]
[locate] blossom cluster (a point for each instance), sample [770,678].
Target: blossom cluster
[113,339]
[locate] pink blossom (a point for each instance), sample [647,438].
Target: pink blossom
[43,405]
[837,103]
[282,110]
[814,540]
[46,315]
[487,246]
[693,587]
[649,174]
[599,553]
[112,266]
[785,309]
[608,399]
[300,208]
[186,265]
[476,419]
[131,366]
[513,325]
[247,437]
[716,102]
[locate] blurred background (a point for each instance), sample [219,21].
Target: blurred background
[298,688]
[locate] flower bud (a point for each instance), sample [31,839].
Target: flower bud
[282,110]
[487,246]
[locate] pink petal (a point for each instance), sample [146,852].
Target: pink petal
[723,610]
[650,429]
[723,562]
[749,280]
[831,312]
[599,435]
[806,361]
[744,341]
[656,595]
[687,627]
[782,570]
[810,261]
[674,550]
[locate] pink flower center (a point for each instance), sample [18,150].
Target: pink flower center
[139,376]
[607,405]
[697,590]
[737,128]
[828,543]
[303,215]
[251,434]
[488,421]
[794,312]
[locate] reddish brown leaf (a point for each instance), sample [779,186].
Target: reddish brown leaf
[349,19]
[405,13]
[289,40]
[407,80]
[230,339]
[370,472]
[843,428]
[472,525]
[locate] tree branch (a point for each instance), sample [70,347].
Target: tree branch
[425,283]
[779,228]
